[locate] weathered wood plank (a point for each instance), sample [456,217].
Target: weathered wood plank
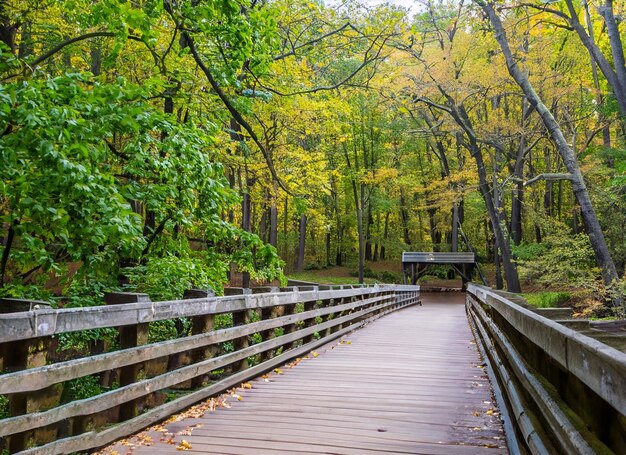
[142,388]
[38,378]
[44,322]
[409,383]
[438,257]
[99,439]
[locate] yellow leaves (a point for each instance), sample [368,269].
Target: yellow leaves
[246,385]
[380,175]
[278,371]
[184,445]
[314,353]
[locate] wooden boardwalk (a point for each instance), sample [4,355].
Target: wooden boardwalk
[409,383]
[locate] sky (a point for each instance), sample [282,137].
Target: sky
[410,4]
[404,3]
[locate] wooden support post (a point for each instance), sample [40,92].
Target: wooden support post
[264,315]
[130,336]
[309,306]
[23,355]
[240,318]
[201,324]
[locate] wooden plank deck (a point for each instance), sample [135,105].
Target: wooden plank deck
[409,383]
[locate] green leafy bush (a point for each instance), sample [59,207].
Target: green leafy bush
[81,388]
[547,299]
[561,259]
[4,407]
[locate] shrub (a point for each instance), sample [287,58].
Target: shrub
[547,299]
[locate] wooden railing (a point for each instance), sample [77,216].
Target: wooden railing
[438,257]
[561,382]
[138,378]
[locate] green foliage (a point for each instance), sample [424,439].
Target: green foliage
[87,288]
[4,407]
[167,278]
[56,186]
[547,299]
[81,388]
[528,251]
[75,155]
[167,329]
[26,291]
[561,258]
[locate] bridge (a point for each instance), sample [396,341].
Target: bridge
[416,263]
[313,369]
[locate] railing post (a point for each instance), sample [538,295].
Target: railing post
[240,318]
[23,355]
[130,336]
[201,324]
[264,315]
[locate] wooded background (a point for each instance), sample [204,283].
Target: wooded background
[156,145]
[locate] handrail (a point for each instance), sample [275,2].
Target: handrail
[571,387]
[41,424]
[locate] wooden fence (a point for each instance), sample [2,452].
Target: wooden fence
[141,382]
[561,381]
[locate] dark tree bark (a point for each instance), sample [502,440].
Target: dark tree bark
[273,224]
[455,228]
[385,237]
[301,244]
[404,216]
[8,244]
[368,235]
[328,247]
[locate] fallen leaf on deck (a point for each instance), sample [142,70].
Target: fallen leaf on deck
[184,445]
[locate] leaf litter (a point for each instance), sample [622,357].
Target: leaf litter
[143,439]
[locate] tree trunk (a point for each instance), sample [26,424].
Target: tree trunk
[328,248]
[385,236]
[592,225]
[404,215]
[606,131]
[455,228]
[8,244]
[245,225]
[301,243]
[613,77]
[361,233]
[517,200]
[273,223]
[368,236]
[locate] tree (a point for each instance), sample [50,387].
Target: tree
[592,225]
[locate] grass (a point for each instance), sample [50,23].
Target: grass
[547,299]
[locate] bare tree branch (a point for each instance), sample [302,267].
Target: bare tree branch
[294,47]
[76,39]
[232,110]
[367,60]
[549,176]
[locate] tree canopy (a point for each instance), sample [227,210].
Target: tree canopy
[158,145]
